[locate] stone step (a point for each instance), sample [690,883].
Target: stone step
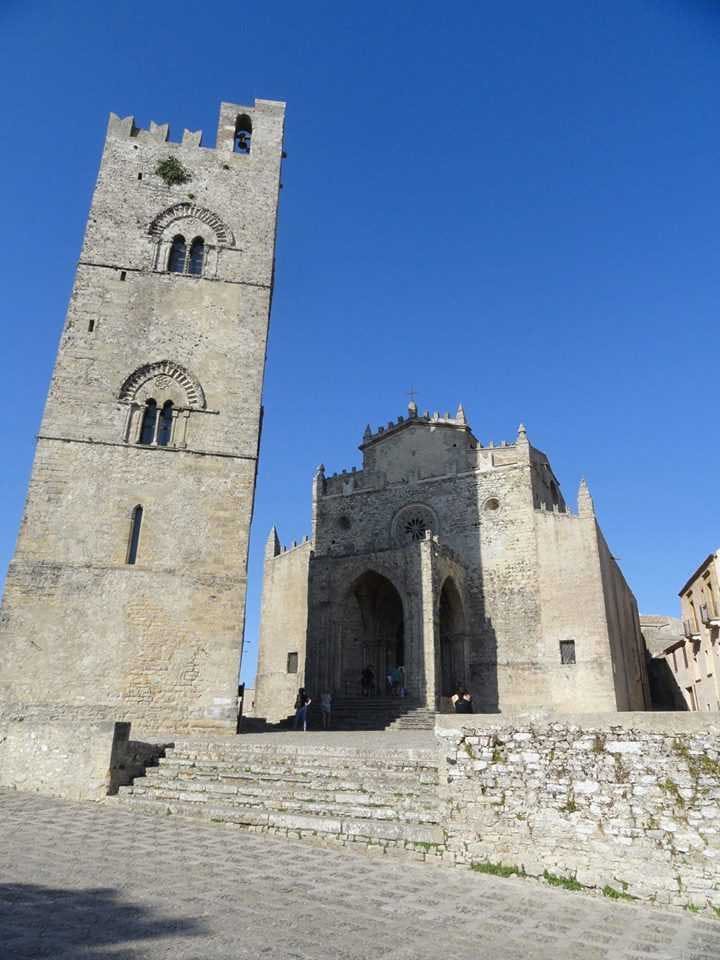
[423,797]
[315,806]
[343,828]
[315,760]
[333,778]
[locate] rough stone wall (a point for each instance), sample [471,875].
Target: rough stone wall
[159,640]
[283,630]
[75,758]
[630,802]
[573,607]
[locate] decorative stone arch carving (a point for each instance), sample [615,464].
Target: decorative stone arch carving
[184,211]
[410,524]
[164,374]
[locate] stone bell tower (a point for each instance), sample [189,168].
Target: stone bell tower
[126,594]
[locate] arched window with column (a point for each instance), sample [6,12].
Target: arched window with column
[165,424]
[197,257]
[147,427]
[178,251]
[160,397]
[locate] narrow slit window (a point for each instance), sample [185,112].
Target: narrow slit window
[197,257]
[567,651]
[243,135]
[91,326]
[178,250]
[123,274]
[147,429]
[292,663]
[165,425]
[134,542]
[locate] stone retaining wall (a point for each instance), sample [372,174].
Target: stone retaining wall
[77,758]
[628,803]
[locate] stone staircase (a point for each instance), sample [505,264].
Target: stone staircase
[380,713]
[304,786]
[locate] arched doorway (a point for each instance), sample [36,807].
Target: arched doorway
[374,631]
[452,666]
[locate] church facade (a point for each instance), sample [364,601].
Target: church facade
[460,562]
[125,597]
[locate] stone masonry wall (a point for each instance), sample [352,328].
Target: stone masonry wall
[283,630]
[157,638]
[625,802]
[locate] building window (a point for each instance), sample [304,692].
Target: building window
[178,250]
[567,651]
[197,257]
[165,423]
[292,663]
[134,540]
[243,134]
[147,429]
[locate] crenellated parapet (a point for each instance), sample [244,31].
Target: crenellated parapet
[233,118]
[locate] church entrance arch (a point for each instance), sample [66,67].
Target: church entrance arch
[452,668]
[374,631]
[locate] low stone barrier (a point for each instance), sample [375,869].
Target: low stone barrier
[626,803]
[71,757]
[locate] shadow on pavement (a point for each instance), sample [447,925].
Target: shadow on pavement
[95,923]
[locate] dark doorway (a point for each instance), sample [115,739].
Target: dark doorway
[452,641]
[376,632]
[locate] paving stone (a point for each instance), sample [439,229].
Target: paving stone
[99,881]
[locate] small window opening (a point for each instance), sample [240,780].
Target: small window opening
[147,429]
[134,541]
[123,274]
[567,651]
[165,424]
[243,134]
[139,176]
[197,256]
[176,260]
[91,326]
[292,663]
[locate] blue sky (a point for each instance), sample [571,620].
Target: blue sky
[510,204]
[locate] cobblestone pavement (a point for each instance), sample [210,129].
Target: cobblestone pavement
[94,882]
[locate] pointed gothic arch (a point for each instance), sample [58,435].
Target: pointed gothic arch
[165,373]
[186,210]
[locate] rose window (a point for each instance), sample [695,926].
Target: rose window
[415,528]
[412,523]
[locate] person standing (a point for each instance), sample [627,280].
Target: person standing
[462,701]
[326,709]
[302,702]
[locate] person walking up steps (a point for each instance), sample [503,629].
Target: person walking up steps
[302,702]
[326,709]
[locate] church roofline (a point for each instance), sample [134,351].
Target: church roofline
[458,422]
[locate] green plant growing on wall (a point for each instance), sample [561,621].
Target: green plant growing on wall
[614,894]
[498,869]
[701,765]
[669,786]
[567,883]
[172,171]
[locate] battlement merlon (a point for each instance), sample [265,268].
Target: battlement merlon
[124,128]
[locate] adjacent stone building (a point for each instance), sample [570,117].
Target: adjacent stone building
[126,594]
[460,562]
[692,656]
